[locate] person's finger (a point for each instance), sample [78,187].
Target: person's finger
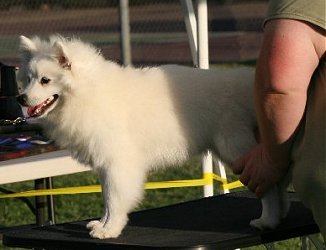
[245,177]
[259,192]
[238,166]
[252,185]
[262,188]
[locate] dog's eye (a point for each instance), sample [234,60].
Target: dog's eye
[45,80]
[28,78]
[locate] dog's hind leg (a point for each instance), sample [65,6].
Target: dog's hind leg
[275,206]
[282,188]
[271,211]
[124,189]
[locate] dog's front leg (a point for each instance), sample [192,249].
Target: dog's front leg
[121,193]
[104,181]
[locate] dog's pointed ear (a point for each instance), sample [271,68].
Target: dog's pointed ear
[27,47]
[61,56]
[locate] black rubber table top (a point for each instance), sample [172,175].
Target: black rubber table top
[219,222]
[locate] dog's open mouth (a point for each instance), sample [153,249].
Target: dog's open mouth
[41,108]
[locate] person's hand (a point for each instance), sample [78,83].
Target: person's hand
[258,171]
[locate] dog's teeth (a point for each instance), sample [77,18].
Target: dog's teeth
[40,108]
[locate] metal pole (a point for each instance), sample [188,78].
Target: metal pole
[203,63]
[124,32]
[40,203]
[202,27]
[191,27]
[50,201]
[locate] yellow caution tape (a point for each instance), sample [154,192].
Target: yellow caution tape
[232,185]
[207,179]
[55,191]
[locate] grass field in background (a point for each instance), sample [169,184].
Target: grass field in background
[86,206]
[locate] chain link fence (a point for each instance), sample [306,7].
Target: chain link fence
[158,33]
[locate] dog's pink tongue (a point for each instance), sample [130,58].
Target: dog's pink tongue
[34,111]
[31,111]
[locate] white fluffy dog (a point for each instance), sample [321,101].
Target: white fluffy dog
[124,122]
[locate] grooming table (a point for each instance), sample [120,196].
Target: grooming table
[21,160]
[219,222]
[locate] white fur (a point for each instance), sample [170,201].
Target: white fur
[125,121]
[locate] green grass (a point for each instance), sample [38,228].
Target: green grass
[77,207]
[84,206]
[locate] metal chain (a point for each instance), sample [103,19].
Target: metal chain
[18,120]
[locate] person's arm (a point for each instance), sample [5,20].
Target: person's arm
[289,55]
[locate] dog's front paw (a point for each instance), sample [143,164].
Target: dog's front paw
[104,232]
[94,224]
[264,223]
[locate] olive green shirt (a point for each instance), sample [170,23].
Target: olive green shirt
[312,11]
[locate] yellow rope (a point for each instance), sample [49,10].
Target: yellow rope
[55,191]
[207,179]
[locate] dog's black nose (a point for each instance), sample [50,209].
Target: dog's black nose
[22,99]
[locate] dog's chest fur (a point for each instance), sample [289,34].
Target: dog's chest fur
[74,134]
